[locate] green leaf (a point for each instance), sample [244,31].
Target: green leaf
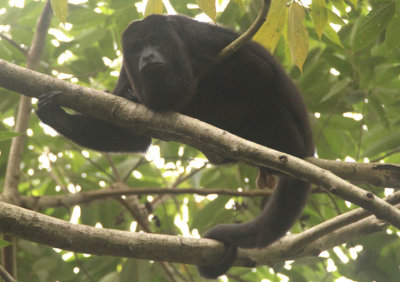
[385,143]
[5,135]
[340,5]
[337,88]
[332,35]
[60,8]
[297,35]
[393,33]
[208,7]
[354,2]
[4,243]
[335,19]
[319,16]
[270,32]
[154,7]
[373,24]
[213,212]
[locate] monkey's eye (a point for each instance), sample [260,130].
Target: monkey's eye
[152,40]
[136,46]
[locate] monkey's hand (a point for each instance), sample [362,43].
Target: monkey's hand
[50,113]
[130,95]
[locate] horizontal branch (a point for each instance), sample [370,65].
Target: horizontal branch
[378,174]
[56,233]
[177,127]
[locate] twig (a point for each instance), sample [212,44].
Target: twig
[15,44]
[5,275]
[113,167]
[248,34]
[395,151]
[38,203]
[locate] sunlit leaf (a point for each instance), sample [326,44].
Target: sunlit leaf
[154,7]
[208,7]
[270,32]
[332,35]
[60,8]
[319,16]
[340,5]
[297,35]
[335,19]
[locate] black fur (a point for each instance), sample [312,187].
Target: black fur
[166,67]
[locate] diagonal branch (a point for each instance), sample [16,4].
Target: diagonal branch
[177,127]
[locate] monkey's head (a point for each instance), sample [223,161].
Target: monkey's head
[157,64]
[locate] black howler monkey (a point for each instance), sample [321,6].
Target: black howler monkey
[166,67]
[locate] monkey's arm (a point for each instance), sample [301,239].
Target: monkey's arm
[123,87]
[88,132]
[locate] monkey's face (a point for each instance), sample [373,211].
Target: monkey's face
[157,65]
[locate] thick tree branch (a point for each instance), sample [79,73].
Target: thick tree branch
[174,126]
[57,233]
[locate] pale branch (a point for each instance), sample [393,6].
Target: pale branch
[286,249]
[378,174]
[56,233]
[177,127]
[326,235]
[337,223]
[5,275]
[33,84]
[346,234]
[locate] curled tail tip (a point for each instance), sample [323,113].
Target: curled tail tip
[212,271]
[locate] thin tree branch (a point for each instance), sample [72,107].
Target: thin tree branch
[177,127]
[5,275]
[41,202]
[281,250]
[18,143]
[15,44]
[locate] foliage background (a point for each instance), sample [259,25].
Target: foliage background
[350,81]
